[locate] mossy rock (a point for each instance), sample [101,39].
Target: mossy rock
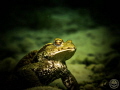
[43,88]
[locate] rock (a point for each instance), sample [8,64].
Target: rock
[89,87]
[43,88]
[98,68]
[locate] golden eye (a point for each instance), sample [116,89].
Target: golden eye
[58,41]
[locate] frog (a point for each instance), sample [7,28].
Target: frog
[43,66]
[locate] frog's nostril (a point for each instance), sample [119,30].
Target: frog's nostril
[68,48]
[59,49]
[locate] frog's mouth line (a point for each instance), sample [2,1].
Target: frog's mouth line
[69,50]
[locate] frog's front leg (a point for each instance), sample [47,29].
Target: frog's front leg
[70,82]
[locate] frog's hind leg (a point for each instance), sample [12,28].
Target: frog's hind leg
[27,78]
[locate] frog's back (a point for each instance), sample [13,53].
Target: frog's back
[27,59]
[31,57]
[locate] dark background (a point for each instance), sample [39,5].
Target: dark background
[103,12]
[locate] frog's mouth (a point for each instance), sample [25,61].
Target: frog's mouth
[68,50]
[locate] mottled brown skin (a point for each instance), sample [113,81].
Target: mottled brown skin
[39,68]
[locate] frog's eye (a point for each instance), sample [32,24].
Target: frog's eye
[58,42]
[69,41]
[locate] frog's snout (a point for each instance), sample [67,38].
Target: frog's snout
[71,48]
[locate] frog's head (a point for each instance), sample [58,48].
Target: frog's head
[59,50]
